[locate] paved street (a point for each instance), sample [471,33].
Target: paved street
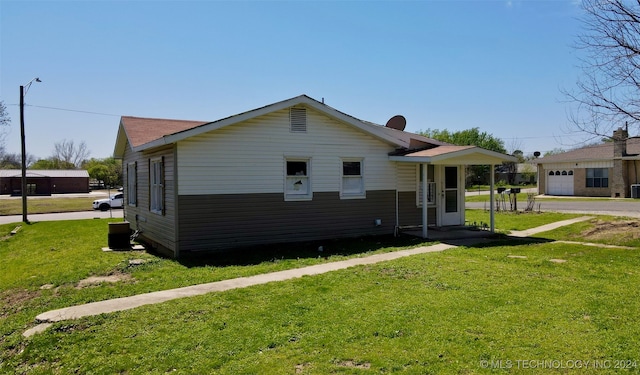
[626,207]
[115,213]
[615,207]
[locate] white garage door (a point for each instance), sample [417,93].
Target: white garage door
[560,182]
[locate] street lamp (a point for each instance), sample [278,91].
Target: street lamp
[23,92]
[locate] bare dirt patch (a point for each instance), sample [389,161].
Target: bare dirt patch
[12,301]
[621,229]
[97,280]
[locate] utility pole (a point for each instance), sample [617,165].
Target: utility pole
[23,189]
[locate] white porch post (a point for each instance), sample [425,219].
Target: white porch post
[492,225]
[425,194]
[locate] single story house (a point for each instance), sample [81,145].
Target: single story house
[295,170]
[44,182]
[610,169]
[525,173]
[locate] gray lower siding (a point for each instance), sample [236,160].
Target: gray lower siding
[213,222]
[409,213]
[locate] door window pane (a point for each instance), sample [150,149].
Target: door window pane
[451,177]
[451,201]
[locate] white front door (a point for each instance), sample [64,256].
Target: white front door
[451,203]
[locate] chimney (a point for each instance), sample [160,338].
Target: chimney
[620,142]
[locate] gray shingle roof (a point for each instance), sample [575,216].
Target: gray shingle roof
[603,151]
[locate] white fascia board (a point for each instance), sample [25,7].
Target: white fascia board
[480,155]
[471,156]
[408,159]
[121,142]
[303,99]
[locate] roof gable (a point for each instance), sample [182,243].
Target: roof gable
[602,151]
[147,133]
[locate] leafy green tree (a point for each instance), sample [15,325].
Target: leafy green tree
[52,163]
[471,137]
[107,170]
[528,173]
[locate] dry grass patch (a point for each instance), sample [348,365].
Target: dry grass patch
[14,300]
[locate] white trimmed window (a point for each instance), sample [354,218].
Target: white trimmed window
[431,185]
[297,184]
[132,183]
[352,184]
[156,185]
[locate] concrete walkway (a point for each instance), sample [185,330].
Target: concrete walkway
[548,227]
[125,303]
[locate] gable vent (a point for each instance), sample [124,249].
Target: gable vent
[298,120]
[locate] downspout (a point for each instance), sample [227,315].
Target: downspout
[425,209]
[492,225]
[396,229]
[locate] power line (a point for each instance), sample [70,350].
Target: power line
[70,110]
[73,110]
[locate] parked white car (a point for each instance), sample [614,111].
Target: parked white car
[116,201]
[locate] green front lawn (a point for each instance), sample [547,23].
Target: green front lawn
[466,310]
[506,221]
[46,205]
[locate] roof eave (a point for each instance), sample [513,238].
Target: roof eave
[121,142]
[475,155]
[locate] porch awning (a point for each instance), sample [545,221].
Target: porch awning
[454,155]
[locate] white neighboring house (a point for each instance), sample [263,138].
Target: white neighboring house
[296,170]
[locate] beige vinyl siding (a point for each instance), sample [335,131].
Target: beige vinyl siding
[157,229]
[582,164]
[411,215]
[249,157]
[406,176]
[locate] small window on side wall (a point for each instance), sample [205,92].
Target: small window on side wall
[156,185]
[297,184]
[352,185]
[132,183]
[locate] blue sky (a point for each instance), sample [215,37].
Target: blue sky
[495,65]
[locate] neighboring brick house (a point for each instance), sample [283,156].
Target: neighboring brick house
[45,182]
[605,170]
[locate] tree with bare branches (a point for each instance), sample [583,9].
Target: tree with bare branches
[68,152]
[5,121]
[608,94]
